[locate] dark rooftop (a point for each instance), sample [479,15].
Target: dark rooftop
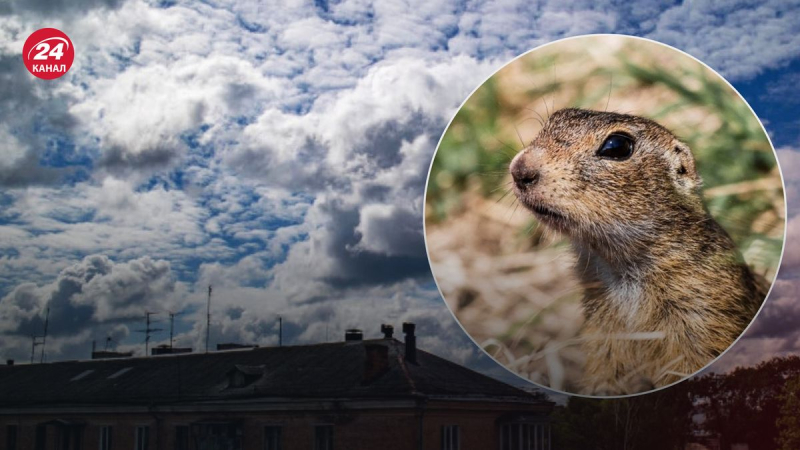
[354,369]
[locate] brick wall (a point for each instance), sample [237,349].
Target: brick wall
[386,429]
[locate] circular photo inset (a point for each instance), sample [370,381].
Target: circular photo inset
[605,215]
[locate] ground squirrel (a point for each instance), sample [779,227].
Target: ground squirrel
[651,259]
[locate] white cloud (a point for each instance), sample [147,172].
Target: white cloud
[87,298]
[390,230]
[140,115]
[122,219]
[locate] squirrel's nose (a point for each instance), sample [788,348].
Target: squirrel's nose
[524,176]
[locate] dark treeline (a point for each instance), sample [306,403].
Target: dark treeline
[758,406]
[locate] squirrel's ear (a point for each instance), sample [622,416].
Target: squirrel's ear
[684,172]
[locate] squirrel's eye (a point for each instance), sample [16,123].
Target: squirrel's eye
[616,146]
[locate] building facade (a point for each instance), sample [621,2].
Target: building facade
[352,395]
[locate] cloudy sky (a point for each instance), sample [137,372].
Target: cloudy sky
[278,151]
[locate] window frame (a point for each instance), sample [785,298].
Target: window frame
[328,436]
[12,437]
[188,436]
[534,435]
[40,442]
[276,440]
[105,440]
[451,437]
[141,444]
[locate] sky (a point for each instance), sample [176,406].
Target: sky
[278,151]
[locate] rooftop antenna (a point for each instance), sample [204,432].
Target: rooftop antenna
[108,342]
[208,316]
[44,337]
[280,331]
[172,326]
[34,343]
[147,330]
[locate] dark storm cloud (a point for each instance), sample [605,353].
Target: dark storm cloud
[355,266]
[304,172]
[93,291]
[775,331]
[790,167]
[779,316]
[382,142]
[27,112]
[27,171]
[120,162]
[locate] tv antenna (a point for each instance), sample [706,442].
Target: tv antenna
[147,330]
[44,337]
[172,325]
[35,342]
[208,316]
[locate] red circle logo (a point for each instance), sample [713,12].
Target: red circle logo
[48,53]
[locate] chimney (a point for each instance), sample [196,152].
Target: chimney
[376,362]
[10,362]
[353,334]
[387,331]
[411,342]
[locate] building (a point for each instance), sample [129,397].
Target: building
[351,395]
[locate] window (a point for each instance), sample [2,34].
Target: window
[105,438]
[142,438]
[182,437]
[450,437]
[41,437]
[273,437]
[323,437]
[11,437]
[525,436]
[217,435]
[242,376]
[62,436]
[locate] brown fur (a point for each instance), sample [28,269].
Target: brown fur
[651,259]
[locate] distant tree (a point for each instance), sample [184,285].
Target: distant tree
[743,406]
[658,421]
[789,421]
[758,405]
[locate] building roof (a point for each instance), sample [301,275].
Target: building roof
[344,370]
